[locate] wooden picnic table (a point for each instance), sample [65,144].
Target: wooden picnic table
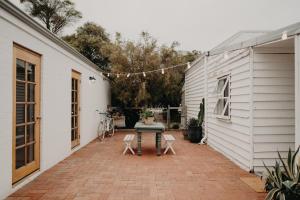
[157,128]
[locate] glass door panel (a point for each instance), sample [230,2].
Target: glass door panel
[75,133]
[26,109]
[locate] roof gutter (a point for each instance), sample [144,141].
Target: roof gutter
[291,31]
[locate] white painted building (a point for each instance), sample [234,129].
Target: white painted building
[251,83]
[48,101]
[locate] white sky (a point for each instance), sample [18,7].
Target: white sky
[195,24]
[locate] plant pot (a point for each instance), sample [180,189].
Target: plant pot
[185,135]
[149,120]
[195,134]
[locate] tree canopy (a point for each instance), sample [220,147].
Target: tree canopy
[55,14]
[91,40]
[155,89]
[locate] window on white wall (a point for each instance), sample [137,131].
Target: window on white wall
[222,107]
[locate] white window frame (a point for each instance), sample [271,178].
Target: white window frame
[221,96]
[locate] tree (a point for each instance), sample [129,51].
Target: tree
[55,14]
[92,41]
[155,89]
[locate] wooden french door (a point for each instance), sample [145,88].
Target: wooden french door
[26,113]
[75,107]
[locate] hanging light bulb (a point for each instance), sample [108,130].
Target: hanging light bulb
[162,71]
[188,65]
[144,74]
[128,75]
[284,35]
[118,75]
[226,56]
[107,74]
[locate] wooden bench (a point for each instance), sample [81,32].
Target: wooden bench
[127,141]
[169,139]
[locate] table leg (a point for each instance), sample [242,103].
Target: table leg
[158,144]
[139,143]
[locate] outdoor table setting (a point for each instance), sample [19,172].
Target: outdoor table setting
[143,128]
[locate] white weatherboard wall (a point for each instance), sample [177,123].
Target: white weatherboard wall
[56,69]
[194,88]
[273,105]
[297,92]
[231,137]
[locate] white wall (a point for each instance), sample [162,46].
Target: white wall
[194,88]
[273,105]
[231,137]
[56,68]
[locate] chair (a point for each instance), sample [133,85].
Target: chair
[127,141]
[169,139]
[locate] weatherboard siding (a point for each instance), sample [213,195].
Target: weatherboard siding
[273,106]
[231,137]
[194,88]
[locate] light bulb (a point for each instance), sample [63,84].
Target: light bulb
[284,35]
[118,75]
[188,65]
[128,75]
[162,71]
[144,74]
[107,74]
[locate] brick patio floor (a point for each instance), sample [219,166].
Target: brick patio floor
[99,171]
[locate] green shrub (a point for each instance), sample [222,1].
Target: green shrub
[283,183]
[146,113]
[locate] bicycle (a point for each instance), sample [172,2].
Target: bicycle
[106,126]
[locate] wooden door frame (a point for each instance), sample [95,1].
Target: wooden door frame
[76,75]
[20,52]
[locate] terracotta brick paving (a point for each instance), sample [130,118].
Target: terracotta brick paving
[99,171]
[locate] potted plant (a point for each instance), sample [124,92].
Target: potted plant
[194,130]
[195,125]
[147,116]
[283,181]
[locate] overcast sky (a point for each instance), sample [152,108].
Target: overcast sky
[195,24]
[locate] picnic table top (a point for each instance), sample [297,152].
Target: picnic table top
[156,126]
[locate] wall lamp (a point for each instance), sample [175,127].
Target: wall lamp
[92,79]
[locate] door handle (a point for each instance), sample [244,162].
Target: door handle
[39,118]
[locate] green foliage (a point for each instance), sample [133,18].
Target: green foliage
[193,123]
[175,126]
[283,183]
[92,41]
[146,113]
[201,112]
[55,14]
[155,89]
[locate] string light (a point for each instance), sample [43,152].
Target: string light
[284,35]
[189,65]
[162,70]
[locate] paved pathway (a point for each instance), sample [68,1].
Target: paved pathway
[99,171]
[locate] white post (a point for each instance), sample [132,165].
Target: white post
[251,64]
[297,91]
